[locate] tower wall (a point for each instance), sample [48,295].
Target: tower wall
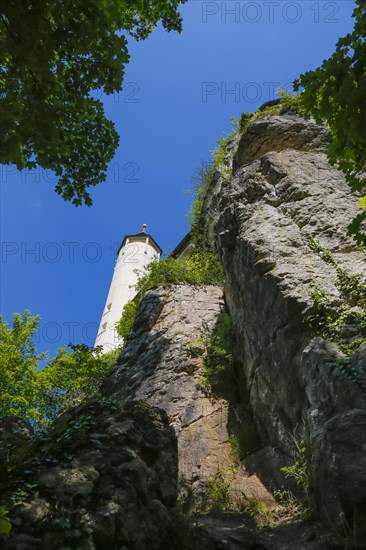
[135,253]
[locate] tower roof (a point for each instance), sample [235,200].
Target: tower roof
[139,235]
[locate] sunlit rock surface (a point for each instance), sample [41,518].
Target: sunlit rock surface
[164,364]
[283,192]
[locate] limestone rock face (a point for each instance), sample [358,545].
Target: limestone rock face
[103,479]
[283,192]
[163,364]
[277,133]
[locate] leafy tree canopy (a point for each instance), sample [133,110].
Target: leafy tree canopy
[40,395]
[53,53]
[19,361]
[336,92]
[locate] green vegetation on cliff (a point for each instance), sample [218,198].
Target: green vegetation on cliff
[219,351]
[124,326]
[345,323]
[198,269]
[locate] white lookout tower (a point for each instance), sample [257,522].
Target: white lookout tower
[135,253]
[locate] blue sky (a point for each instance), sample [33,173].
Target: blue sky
[180,92]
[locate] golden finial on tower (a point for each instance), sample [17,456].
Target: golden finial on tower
[144,227]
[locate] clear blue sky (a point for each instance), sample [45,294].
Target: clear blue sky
[180,92]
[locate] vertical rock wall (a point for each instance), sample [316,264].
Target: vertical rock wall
[284,191]
[164,364]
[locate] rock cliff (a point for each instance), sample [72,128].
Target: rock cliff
[167,427]
[164,365]
[282,193]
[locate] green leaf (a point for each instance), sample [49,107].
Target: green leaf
[5,523]
[362,202]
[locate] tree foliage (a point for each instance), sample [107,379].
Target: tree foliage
[73,376]
[38,394]
[335,93]
[19,377]
[53,53]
